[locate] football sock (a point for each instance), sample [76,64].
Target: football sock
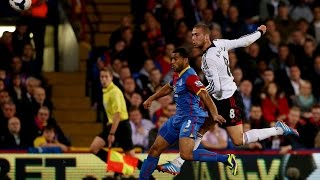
[255,135]
[148,166]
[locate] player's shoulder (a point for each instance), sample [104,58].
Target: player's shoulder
[219,43]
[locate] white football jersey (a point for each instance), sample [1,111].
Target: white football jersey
[215,65]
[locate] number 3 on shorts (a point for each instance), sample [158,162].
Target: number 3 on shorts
[231,114]
[188,124]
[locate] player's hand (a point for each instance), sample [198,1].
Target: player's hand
[111,139]
[147,103]
[219,119]
[263,28]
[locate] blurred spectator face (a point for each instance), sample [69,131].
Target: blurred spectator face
[283,52]
[254,50]
[126,21]
[16,64]
[135,117]
[246,127]
[14,125]
[316,13]
[49,135]
[169,4]
[207,15]
[6,37]
[224,5]
[182,29]
[161,121]
[116,65]
[22,29]
[136,99]
[16,81]
[105,78]
[294,116]
[237,74]
[127,35]
[268,76]
[28,51]
[119,46]
[283,12]
[188,38]
[155,76]
[233,13]
[3,74]
[271,26]
[297,37]
[233,59]
[169,49]
[178,13]
[100,63]
[43,115]
[125,73]
[171,109]
[305,88]
[165,101]
[202,4]
[9,110]
[2,85]
[4,97]
[216,32]
[148,65]
[262,66]
[303,26]
[256,112]
[195,52]
[246,87]
[309,47]
[275,38]
[129,85]
[272,89]
[39,95]
[316,113]
[316,64]
[295,73]
[31,84]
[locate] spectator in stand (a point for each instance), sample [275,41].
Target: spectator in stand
[246,93]
[284,23]
[124,73]
[269,8]
[29,64]
[20,37]
[40,100]
[164,60]
[215,138]
[315,78]
[256,119]
[15,137]
[237,75]
[221,14]
[301,9]
[49,139]
[136,100]
[154,132]
[126,21]
[155,81]
[129,87]
[6,50]
[305,99]
[144,73]
[305,62]
[296,42]
[140,128]
[234,27]
[249,62]
[292,86]
[215,30]
[269,50]
[314,29]
[40,121]
[274,104]
[16,90]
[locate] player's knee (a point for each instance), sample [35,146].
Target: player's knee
[186,156]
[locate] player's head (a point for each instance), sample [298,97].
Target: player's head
[105,77]
[179,59]
[200,35]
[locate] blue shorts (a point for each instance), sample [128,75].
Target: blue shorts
[181,126]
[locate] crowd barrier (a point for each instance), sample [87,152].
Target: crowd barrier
[264,165]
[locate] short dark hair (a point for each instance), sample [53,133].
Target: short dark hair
[204,27]
[182,52]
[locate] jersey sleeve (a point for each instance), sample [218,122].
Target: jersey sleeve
[194,84]
[240,42]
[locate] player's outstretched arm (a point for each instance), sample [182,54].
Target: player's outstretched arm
[243,41]
[165,90]
[206,99]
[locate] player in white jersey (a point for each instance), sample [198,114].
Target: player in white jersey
[215,66]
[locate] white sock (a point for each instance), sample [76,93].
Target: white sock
[255,135]
[179,161]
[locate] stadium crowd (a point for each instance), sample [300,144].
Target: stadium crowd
[278,76]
